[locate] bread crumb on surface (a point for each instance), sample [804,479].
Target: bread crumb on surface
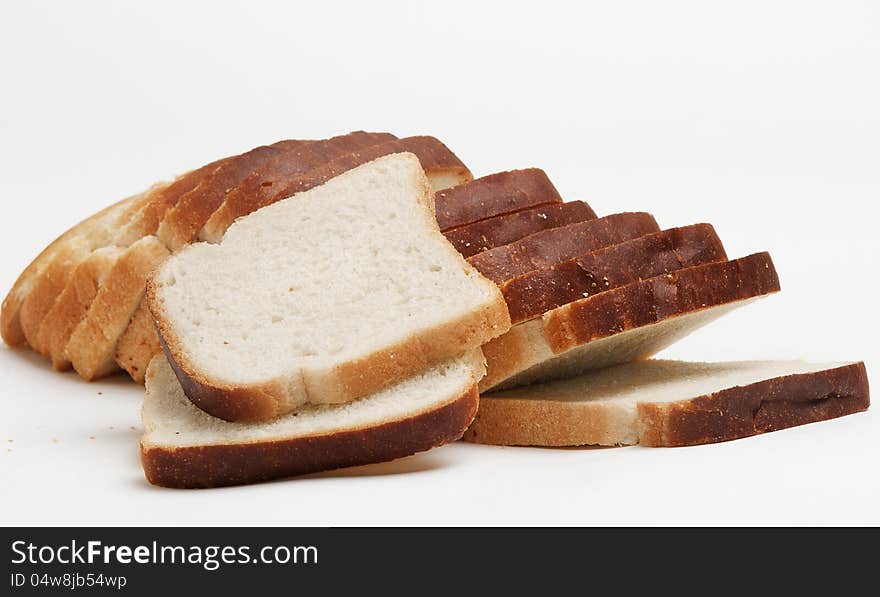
[91,437]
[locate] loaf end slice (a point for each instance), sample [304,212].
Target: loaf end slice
[671,403]
[184,447]
[324,297]
[138,344]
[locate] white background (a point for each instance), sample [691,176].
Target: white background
[760,117]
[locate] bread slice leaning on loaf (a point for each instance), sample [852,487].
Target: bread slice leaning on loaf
[670,403]
[625,324]
[184,447]
[324,297]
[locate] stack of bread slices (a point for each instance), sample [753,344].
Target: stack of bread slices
[315,304]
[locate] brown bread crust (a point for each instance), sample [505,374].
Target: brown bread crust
[184,220]
[237,464]
[139,344]
[549,247]
[534,293]
[507,228]
[655,299]
[492,195]
[762,407]
[287,177]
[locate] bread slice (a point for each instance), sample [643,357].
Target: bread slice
[538,291]
[550,247]
[670,403]
[281,178]
[626,324]
[184,447]
[92,345]
[73,305]
[138,344]
[183,221]
[322,298]
[493,195]
[507,228]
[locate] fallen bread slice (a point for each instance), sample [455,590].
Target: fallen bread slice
[322,298]
[507,228]
[92,345]
[492,195]
[670,403]
[550,247]
[138,344]
[282,177]
[185,447]
[626,324]
[538,291]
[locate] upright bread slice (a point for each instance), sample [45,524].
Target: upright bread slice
[626,324]
[670,403]
[538,291]
[73,305]
[138,344]
[36,289]
[493,195]
[507,228]
[283,177]
[183,221]
[550,247]
[92,345]
[184,447]
[324,297]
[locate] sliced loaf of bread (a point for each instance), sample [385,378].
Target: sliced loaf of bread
[493,195]
[670,403]
[184,447]
[629,323]
[534,293]
[324,297]
[507,228]
[282,177]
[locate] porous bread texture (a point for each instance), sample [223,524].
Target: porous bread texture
[324,297]
[183,446]
[670,403]
[629,323]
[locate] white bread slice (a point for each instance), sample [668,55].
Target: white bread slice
[670,403]
[624,324]
[185,447]
[324,297]
[92,345]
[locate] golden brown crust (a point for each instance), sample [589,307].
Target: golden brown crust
[761,407]
[237,464]
[493,195]
[139,344]
[507,228]
[92,345]
[534,293]
[552,246]
[292,176]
